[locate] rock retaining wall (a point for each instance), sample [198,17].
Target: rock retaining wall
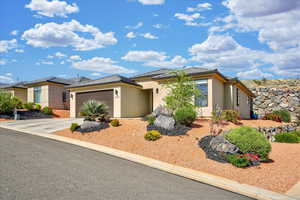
[269,132]
[270,99]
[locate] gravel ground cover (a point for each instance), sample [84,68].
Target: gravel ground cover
[184,150]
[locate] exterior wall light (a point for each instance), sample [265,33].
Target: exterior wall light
[157,90]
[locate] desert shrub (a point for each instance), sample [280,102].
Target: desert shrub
[273,117]
[238,160]
[115,123]
[48,111]
[215,125]
[29,106]
[150,119]
[6,105]
[230,115]
[74,127]
[185,115]
[287,137]
[284,114]
[17,103]
[249,140]
[92,110]
[37,107]
[298,118]
[152,135]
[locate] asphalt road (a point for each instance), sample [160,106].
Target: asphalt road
[35,168]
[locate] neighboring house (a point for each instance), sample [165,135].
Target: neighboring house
[16,90]
[51,91]
[140,95]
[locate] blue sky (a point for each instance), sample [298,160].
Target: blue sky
[40,38]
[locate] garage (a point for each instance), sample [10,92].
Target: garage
[103,96]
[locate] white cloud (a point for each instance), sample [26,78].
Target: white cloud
[52,8]
[100,64]
[152,2]
[222,51]
[60,55]
[199,7]
[6,45]
[131,35]
[45,62]
[6,78]
[66,34]
[62,62]
[14,32]
[149,36]
[158,26]
[253,74]
[155,59]
[137,26]
[2,62]
[19,50]
[95,74]
[190,19]
[75,57]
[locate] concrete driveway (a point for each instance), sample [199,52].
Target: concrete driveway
[40,125]
[38,168]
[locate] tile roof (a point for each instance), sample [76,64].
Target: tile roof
[105,80]
[14,85]
[52,79]
[153,73]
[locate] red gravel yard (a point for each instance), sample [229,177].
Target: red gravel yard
[184,151]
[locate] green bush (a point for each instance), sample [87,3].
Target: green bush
[92,110]
[74,127]
[17,103]
[238,160]
[273,117]
[288,137]
[185,115]
[6,104]
[29,106]
[48,111]
[150,119]
[249,140]
[230,115]
[115,123]
[152,135]
[284,114]
[37,107]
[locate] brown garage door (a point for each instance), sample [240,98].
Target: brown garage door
[103,96]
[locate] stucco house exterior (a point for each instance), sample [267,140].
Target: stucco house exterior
[51,91]
[17,90]
[140,95]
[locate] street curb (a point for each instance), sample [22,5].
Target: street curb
[223,183]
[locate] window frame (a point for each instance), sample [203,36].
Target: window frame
[237,97]
[202,82]
[37,90]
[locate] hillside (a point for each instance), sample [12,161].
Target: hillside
[276,83]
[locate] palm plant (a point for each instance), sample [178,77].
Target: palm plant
[93,109]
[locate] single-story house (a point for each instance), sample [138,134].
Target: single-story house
[51,91]
[140,95]
[16,90]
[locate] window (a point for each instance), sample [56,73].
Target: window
[202,101]
[37,94]
[237,97]
[64,96]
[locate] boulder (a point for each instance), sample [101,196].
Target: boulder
[162,110]
[90,126]
[220,144]
[165,122]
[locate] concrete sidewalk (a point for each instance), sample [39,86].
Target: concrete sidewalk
[41,125]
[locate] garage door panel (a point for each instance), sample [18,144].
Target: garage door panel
[103,96]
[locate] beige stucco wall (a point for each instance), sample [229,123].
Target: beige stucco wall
[44,95]
[244,106]
[134,102]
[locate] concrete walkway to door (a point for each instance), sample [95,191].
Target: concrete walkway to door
[41,125]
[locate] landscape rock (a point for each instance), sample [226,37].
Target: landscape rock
[220,144]
[162,110]
[90,126]
[165,122]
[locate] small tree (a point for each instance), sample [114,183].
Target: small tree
[92,110]
[6,103]
[183,91]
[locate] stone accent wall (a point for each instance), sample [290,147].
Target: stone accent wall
[271,99]
[269,132]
